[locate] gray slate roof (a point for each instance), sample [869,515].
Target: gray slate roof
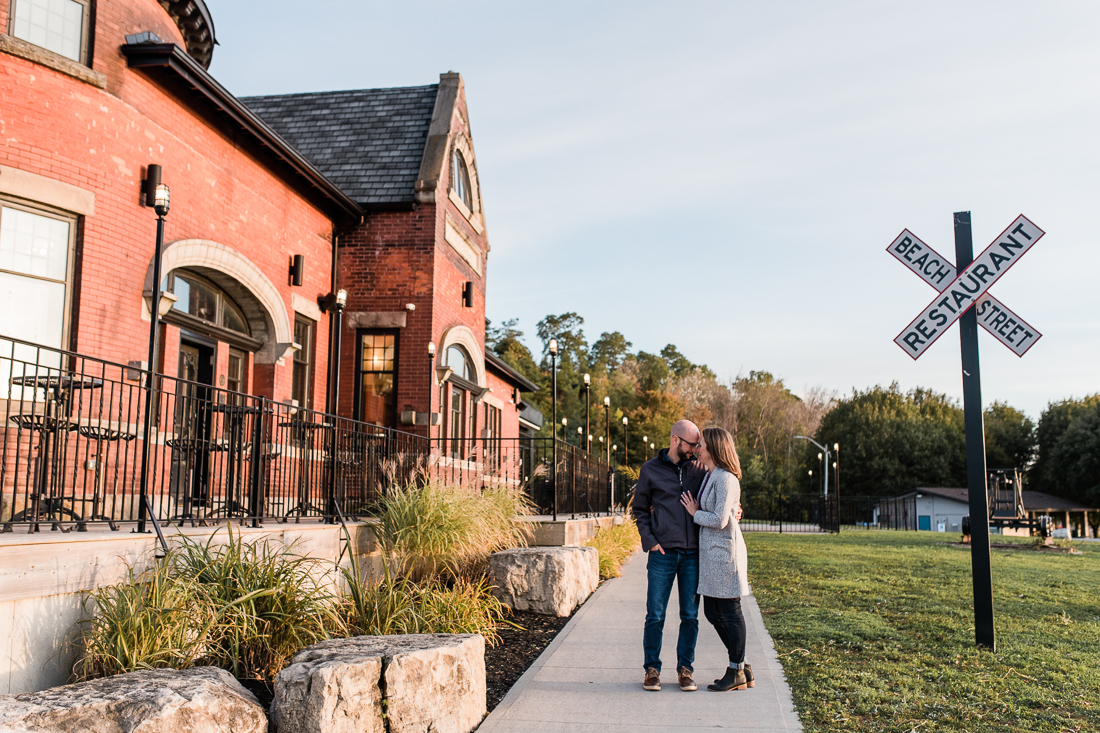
[369,142]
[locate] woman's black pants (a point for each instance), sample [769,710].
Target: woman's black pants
[725,614]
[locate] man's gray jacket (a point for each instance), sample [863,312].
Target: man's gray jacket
[660,484]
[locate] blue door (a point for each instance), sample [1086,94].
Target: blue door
[924,522]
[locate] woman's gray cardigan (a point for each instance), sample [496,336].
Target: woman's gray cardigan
[723,568]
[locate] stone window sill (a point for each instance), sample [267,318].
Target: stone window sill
[38,55]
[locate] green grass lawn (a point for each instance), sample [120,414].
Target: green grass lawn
[875,631]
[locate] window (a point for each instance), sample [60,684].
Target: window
[460,363]
[302,378]
[204,300]
[35,263]
[235,380]
[56,25]
[457,421]
[378,377]
[461,415]
[460,180]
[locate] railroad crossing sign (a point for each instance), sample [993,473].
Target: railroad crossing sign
[964,290]
[962,297]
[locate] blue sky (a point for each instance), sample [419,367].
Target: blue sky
[726,176]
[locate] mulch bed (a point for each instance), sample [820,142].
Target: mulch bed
[517,650]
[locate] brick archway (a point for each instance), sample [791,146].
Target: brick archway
[242,280]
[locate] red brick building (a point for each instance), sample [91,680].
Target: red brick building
[415,269]
[90,100]
[376,190]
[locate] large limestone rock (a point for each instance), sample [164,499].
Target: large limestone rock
[430,682]
[199,700]
[547,580]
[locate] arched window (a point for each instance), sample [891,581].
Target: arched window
[202,299]
[460,180]
[460,408]
[459,361]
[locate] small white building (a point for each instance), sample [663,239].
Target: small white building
[942,510]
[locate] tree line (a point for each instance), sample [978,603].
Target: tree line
[890,441]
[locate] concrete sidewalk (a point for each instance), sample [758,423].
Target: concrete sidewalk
[590,677]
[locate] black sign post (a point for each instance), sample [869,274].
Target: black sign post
[963,296]
[984,633]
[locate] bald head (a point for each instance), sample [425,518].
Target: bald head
[688,434]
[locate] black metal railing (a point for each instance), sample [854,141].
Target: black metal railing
[73,436]
[808,513]
[582,480]
[803,513]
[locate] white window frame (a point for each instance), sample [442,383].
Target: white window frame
[73,221]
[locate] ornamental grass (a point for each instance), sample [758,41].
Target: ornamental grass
[615,543]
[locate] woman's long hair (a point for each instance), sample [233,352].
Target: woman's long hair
[722,450]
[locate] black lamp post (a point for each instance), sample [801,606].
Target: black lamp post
[607,427]
[626,447]
[334,303]
[553,348]
[156,195]
[587,408]
[836,467]
[431,390]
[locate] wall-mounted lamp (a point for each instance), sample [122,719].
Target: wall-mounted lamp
[297,270]
[334,302]
[468,294]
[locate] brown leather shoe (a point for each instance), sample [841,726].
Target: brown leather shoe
[687,683]
[652,680]
[748,675]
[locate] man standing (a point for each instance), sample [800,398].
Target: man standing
[671,538]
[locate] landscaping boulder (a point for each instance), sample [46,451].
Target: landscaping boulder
[203,700]
[547,580]
[428,682]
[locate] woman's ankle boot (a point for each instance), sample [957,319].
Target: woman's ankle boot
[748,675]
[733,679]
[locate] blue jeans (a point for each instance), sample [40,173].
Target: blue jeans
[683,566]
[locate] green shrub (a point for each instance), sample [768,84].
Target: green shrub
[271,602]
[149,621]
[436,529]
[616,543]
[245,607]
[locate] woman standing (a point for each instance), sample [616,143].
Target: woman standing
[723,570]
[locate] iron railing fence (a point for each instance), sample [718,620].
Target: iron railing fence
[73,437]
[803,513]
[72,431]
[808,513]
[583,480]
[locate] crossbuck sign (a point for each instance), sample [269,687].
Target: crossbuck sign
[962,296]
[959,292]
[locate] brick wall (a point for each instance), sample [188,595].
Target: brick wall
[101,140]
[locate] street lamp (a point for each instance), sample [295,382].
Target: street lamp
[836,467]
[825,451]
[645,442]
[587,406]
[157,193]
[580,436]
[553,349]
[626,445]
[607,427]
[431,389]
